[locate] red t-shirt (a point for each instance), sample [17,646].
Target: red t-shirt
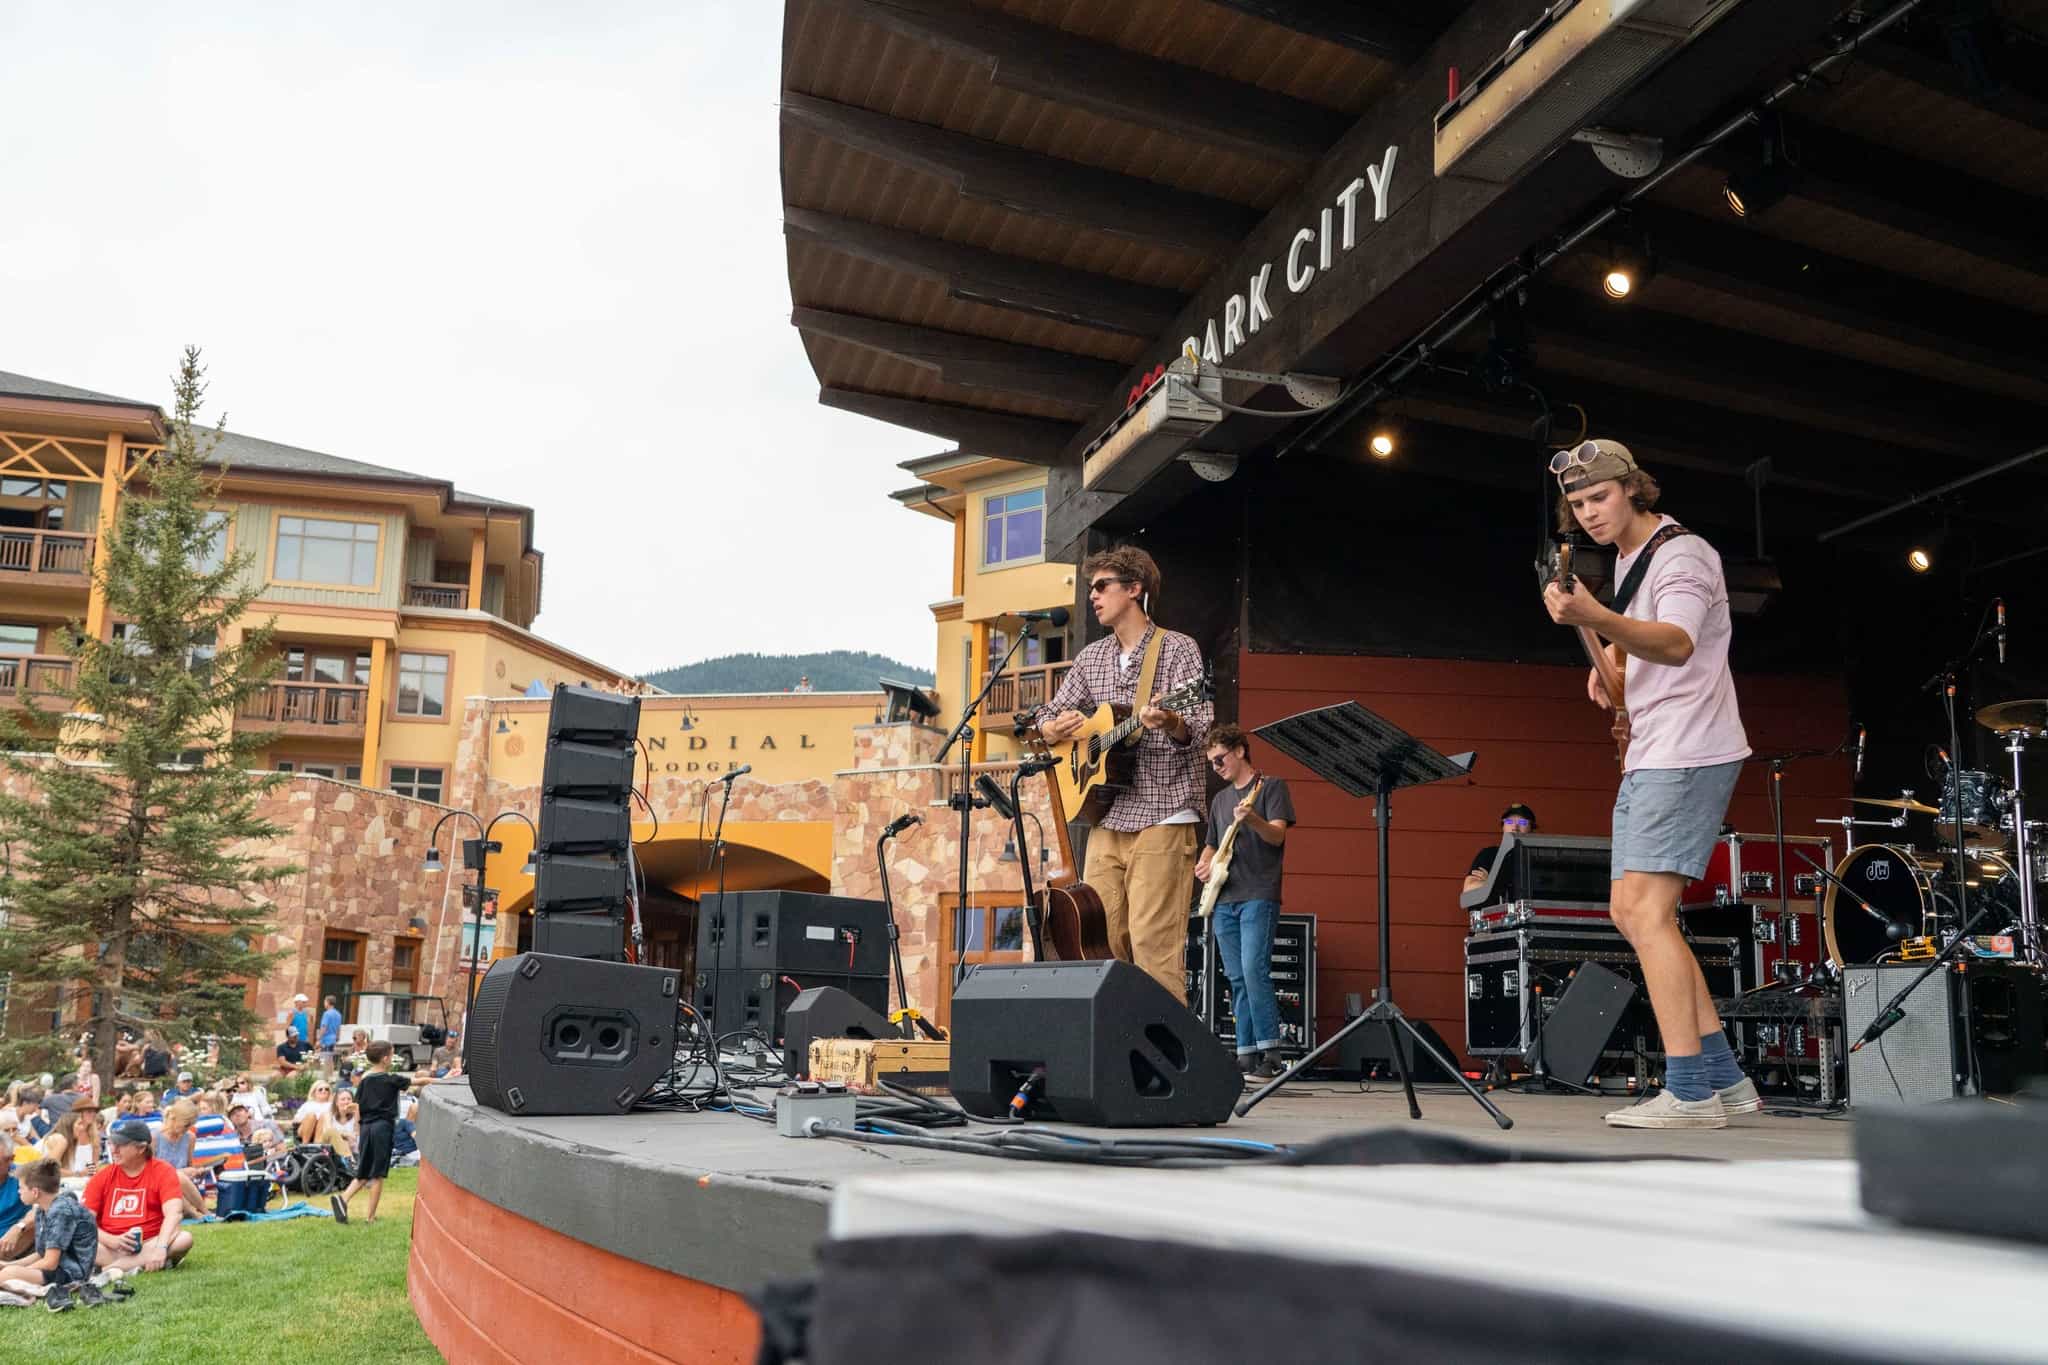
[120,1201]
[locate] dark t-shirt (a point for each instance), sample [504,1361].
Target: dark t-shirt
[155,1062]
[1254,863]
[290,1050]
[69,1227]
[377,1096]
[1482,861]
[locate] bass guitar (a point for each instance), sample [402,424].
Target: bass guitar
[1073,926]
[1098,763]
[1557,568]
[1219,861]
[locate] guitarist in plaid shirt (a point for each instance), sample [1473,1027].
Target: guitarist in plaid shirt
[1141,859]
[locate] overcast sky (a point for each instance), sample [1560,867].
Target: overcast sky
[532,248]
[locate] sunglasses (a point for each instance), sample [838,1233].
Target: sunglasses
[1105,584]
[1578,457]
[1219,761]
[1515,822]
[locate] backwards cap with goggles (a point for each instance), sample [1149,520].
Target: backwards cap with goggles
[1591,462]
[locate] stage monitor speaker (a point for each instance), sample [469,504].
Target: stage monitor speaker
[1365,1054]
[1115,1050]
[826,1012]
[565,1035]
[815,939]
[757,1000]
[1576,1032]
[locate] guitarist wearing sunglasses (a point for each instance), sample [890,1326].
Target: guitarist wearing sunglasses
[1241,853]
[1682,748]
[1141,857]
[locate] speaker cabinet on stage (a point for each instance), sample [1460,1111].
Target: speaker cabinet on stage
[566,1035]
[819,940]
[827,1012]
[758,1000]
[1575,1033]
[1116,1050]
[581,869]
[1979,1029]
[1365,1054]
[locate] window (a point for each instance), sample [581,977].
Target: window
[17,640]
[341,971]
[216,552]
[1014,527]
[198,655]
[327,666]
[312,550]
[423,685]
[405,967]
[320,767]
[479,937]
[993,927]
[33,503]
[423,783]
[1039,649]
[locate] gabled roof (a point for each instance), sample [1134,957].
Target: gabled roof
[24,386]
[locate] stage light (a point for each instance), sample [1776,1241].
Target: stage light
[1619,281]
[1919,559]
[1753,192]
[1382,444]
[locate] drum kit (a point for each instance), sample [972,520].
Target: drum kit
[1886,900]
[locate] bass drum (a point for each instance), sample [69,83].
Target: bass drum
[1898,883]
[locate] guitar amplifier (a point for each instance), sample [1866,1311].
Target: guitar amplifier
[1294,982]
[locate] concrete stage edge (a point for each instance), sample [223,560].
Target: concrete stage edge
[633,1237]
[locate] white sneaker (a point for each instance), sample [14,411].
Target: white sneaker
[1666,1110]
[1741,1098]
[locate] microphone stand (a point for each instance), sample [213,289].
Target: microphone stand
[963,798]
[724,926]
[1893,1011]
[910,1020]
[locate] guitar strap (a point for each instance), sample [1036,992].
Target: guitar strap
[1148,669]
[1626,593]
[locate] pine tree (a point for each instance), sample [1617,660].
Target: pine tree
[134,883]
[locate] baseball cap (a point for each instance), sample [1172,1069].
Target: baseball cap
[132,1130]
[299,999]
[1591,462]
[184,1075]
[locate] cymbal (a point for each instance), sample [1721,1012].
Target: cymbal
[1896,803]
[2029,716]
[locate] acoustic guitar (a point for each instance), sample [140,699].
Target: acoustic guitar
[1073,926]
[1557,568]
[1219,861]
[1098,763]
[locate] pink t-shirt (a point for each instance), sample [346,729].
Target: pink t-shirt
[1683,716]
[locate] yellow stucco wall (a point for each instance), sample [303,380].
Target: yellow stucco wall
[787,737]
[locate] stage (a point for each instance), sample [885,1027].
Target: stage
[633,1237]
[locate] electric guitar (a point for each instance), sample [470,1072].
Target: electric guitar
[1219,861]
[1557,568]
[1073,926]
[1099,763]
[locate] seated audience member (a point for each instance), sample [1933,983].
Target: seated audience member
[28,1114]
[443,1059]
[88,1087]
[136,1202]
[290,1053]
[215,1148]
[250,1129]
[357,1060]
[175,1142]
[10,1138]
[1516,819]
[342,1129]
[66,1238]
[74,1144]
[319,1104]
[57,1101]
[185,1089]
[156,1057]
[16,1219]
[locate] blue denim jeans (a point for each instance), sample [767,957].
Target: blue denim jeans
[1244,940]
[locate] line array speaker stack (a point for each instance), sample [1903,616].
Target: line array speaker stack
[757,949]
[586,824]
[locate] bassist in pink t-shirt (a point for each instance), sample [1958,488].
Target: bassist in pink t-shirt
[1684,749]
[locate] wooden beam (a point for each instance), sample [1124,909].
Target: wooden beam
[1767,378]
[974,275]
[973,362]
[1776,273]
[1894,190]
[1027,440]
[1030,182]
[1391,32]
[1068,69]
[2021,94]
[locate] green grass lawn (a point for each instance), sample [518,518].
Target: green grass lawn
[302,1290]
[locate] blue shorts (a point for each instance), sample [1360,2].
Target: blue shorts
[1666,819]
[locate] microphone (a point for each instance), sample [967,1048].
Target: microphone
[1058,616]
[901,823]
[1878,1026]
[737,773]
[1862,736]
[1999,602]
[1045,763]
[995,796]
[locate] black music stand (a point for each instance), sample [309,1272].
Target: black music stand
[1367,755]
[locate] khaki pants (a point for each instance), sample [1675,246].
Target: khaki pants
[1145,881]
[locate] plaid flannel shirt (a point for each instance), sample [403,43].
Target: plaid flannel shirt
[1169,774]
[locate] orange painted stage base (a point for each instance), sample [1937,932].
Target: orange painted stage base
[491,1286]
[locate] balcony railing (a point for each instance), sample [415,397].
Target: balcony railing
[57,554]
[303,708]
[1023,689]
[452,595]
[32,675]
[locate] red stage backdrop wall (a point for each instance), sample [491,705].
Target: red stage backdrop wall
[1539,741]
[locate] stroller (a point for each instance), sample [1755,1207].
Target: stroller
[312,1169]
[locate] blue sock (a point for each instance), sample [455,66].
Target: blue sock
[1686,1077]
[1722,1068]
